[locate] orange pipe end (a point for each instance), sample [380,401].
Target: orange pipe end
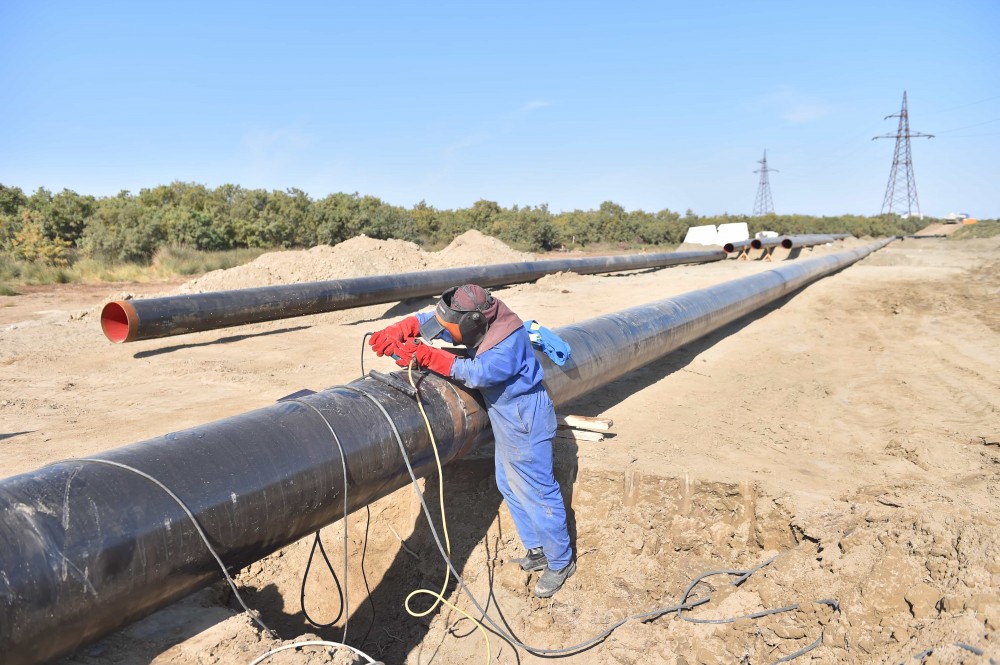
[119,321]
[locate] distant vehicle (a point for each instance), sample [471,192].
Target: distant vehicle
[955,218]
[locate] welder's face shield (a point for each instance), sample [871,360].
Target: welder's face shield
[465,326]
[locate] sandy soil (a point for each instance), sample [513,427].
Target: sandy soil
[852,430]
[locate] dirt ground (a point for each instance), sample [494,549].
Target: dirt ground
[851,430]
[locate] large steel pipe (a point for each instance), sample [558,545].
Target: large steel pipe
[610,346]
[761,243]
[132,320]
[806,240]
[731,247]
[811,240]
[86,548]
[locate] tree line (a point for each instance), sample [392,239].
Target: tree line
[56,227]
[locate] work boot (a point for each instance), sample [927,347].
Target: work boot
[535,560]
[552,580]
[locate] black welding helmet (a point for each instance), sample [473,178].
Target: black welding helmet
[465,320]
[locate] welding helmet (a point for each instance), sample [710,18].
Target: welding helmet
[467,326]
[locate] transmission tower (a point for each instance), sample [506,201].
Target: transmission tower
[763,205]
[901,198]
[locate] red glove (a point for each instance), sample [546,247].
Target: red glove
[435,360]
[384,341]
[404,351]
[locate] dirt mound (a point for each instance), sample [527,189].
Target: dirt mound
[473,248]
[358,257]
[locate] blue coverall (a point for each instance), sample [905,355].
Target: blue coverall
[509,377]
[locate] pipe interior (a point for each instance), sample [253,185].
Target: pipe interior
[114,322]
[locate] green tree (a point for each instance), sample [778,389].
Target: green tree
[30,242]
[66,216]
[526,228]
[122,230]
[12,199]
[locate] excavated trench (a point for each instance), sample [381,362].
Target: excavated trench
[906,584]
[640,540]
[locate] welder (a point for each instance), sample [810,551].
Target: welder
[501,364]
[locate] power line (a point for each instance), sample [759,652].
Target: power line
[763,204]
[901,193]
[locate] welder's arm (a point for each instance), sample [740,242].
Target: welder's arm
[386,340]
[490,368]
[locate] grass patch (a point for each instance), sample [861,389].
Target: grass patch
[174,260]
[7,291]
[986,228]
[168,262]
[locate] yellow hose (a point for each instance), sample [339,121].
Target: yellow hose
[439,596]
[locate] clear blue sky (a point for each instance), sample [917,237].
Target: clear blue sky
[650,104]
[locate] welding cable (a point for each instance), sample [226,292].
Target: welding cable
[368,590]
[755,615]
[345,604]
[438,597]
[495,628]
[364,341]
[507,636]
[444,526]
[800,652]
[318,544]
[444,519]
[194,522]
[923,655]
[204,538]
[316,643]
[975,650]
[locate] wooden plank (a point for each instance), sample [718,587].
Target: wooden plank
[578,434]
[586,422]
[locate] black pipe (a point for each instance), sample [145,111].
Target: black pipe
[87,548]
[731,247]
[803,240]
[132,320]
[811,240]
[608,347]
[761,243]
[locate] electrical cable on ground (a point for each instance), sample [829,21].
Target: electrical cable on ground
[920,657]
[586,644]
[445,552]
[344,599]
[318,544]
[364,577]
[314,643]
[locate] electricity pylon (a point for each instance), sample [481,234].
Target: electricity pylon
[897,199]
[763,205]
